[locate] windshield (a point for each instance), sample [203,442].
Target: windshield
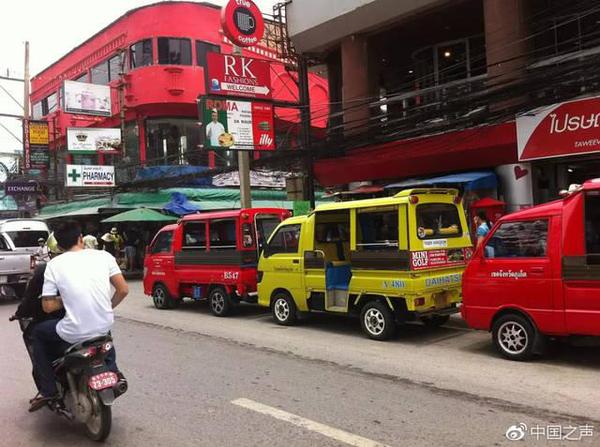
[438,220]
[26,239]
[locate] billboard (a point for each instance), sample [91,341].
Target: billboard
[233,124]
[238,76]
[89,99]
[89,176]
[559,130]
[87,140]
[35,144]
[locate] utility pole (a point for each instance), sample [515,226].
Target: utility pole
[309,193]
[26,84]
[244,164]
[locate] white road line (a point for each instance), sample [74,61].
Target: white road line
[326,430]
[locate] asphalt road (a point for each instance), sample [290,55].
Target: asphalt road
[201,381]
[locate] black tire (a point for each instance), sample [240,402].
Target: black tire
[377,321]
[97,428]
[161,297]
[283,309]
[220,302]
[435,320]
[514,337]
[19,290]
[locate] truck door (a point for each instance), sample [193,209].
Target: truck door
[283,261]
[515,270]
[581,274]
[161,263]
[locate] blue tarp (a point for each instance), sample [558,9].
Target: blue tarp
[161,172]
[180,205]
[470,180]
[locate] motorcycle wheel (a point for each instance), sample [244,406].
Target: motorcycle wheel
[97,427]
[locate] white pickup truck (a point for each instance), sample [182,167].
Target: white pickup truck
[18,243]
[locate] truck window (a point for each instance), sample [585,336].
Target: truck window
[592,223]
[265,226]
[223,234]
[377,230]
[438,220]
[23,239]
[526,239]
[194,236]
[3,244]
[285,240]
[162,244]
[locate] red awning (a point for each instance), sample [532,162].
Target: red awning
[476,148]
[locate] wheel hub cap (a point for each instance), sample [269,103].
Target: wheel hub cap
[374,321]
[282,310]
[513,337]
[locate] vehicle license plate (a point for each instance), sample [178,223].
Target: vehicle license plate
[103,380]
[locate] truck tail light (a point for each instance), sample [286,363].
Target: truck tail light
[419,302]
[259,275]
[413,200]
[31,262]
[457,200]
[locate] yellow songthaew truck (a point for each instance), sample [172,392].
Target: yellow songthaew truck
[389,260]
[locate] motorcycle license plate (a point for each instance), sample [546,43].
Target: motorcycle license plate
[103,380]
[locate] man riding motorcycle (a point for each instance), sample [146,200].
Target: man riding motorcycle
[80,282]
[30,308]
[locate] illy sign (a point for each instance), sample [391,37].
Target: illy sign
[242,22]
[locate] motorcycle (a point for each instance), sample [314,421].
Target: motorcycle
[86,387]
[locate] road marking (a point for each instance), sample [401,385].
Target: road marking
[325,430]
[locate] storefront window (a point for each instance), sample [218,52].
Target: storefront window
[84,159]
[140,54]
[174,51]
[174,141]
[202,48]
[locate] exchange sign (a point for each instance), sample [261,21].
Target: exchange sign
[90,176]
[232,124]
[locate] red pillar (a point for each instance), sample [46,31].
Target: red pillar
[355,83]
[507,46]
[141,125]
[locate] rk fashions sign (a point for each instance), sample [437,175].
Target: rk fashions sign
[89,176]
[238,76]
[559,130]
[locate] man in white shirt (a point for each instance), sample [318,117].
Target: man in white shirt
[214,129]
[81,281]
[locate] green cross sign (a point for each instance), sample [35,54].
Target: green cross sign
[74,175]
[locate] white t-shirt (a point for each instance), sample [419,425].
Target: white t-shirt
[214,131]
[82,279]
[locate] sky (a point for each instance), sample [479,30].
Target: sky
[52,29]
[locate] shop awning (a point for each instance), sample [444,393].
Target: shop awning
[470,149]
[140,215]
[469,180]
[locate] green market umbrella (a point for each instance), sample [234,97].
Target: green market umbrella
[140,215]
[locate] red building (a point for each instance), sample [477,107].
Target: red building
[153,58]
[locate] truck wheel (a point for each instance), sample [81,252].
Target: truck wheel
[220,302]
[435,320]
[377,321]
[284,309]
[161,297]
[514,337]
